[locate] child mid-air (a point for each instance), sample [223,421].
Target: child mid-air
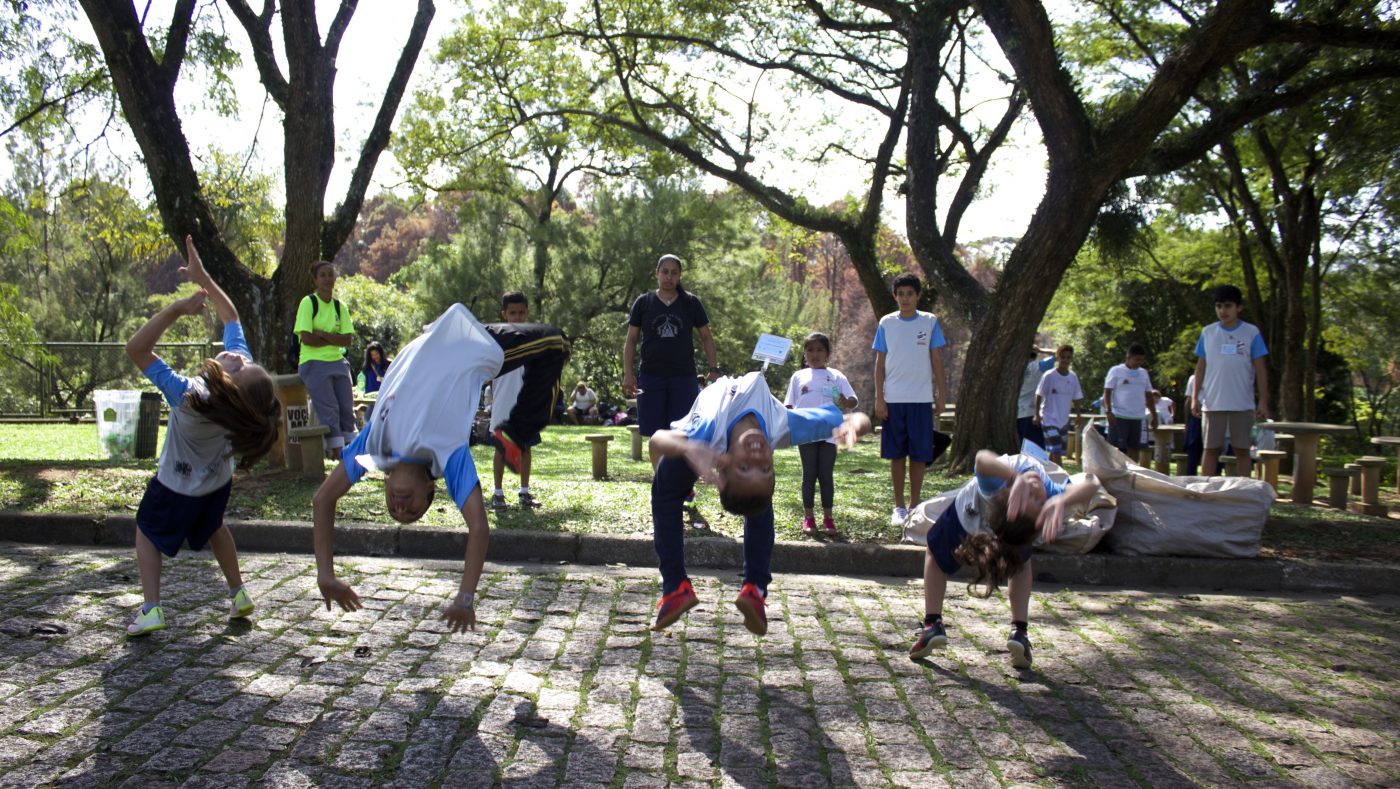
[728,440]
[990,526]
[813,386]
[228,410]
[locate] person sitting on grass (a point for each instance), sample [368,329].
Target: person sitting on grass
[728,440]
[421,430]
[230,410]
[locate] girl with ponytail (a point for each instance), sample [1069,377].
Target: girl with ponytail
[228,412]
[990,526]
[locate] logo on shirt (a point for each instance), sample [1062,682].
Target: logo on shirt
[183,469]
[921,337]
[667,327]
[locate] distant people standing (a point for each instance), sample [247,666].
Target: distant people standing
[373,367]
[1192,442]
[1057,391]
[1229,367]
[1127,393]
[324,327]
[1027,426]
[663,320]
[814,386]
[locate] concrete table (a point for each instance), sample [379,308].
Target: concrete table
[1165,436]
[1306,436]
[1391,441]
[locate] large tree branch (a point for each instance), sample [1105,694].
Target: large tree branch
[259,30]
[176,40]
[1314,33]
[978,163]
[337,228]
[44,104]
[336,32]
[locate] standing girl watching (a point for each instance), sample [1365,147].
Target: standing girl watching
[228,410]
[373,368]
[325,329]
[814,386]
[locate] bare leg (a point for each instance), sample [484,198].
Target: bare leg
[916,481]
[148,559]
[221,543]
[897,478]
[1019,593]
[653,455]
[1242,461]
[1210,461]
[935,586]
[498,467]
[525,467]
[1056,458]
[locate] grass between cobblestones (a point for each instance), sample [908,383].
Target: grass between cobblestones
[59,468]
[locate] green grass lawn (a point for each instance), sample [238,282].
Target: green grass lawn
[60,468]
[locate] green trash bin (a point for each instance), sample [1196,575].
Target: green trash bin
[148,425]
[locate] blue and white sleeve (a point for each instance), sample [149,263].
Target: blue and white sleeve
[235,342]
[170,383]
[879,345]
[806,425]
[353,470]
[460,475]
[1257,348]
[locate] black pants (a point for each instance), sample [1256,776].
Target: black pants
[818,459]
[542,350]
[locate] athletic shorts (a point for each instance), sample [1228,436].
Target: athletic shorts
[944,537]
[1125,433]
[1055,438]
[664,399]
[1027,430]
[170,519]
[1214,425]
[908,432]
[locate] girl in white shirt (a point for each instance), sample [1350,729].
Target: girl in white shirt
[812,386]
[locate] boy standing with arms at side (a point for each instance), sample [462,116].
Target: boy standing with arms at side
[1058,390]
[1127,393]
[1229,367]
[515,308]
[909,389]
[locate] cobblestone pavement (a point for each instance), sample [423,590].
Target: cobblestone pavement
[564,685]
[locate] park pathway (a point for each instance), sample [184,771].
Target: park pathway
[564,685]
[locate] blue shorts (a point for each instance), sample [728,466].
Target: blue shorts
[169,519]
[908,432]
[1054,439]
[944,537]
[664,399]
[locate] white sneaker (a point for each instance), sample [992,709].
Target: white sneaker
[898,517]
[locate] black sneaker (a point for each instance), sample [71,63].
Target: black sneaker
[931,637]
[527,502]
[498,502]
[1020,648]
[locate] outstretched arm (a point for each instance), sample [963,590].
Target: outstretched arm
[461,613]
[1052,515]
[333,590]
[141,348]
[194,272]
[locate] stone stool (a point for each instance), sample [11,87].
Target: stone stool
[1339,479]
[1179,461]
[312,439]
[291,393]
[1355,479]
[1269,460]
[636,431]
[1370,487]
[600,453]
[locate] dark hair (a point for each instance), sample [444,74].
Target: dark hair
[250,413]
[1000,554]
[315,267]
[745,504]
[668,256]
[513,297]
[1137,349]
[383,358]
[1063,348]
[1228,293]
[909,280]
[817,337]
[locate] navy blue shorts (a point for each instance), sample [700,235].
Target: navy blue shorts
[169,519]
[664,399]
[946,534]
[1054,438]
[908,432]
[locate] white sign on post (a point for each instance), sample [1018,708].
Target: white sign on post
[771,349]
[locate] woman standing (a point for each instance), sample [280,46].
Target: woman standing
[373,367]
[665,385]
[325,330]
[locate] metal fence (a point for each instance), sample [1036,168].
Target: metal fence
[58,378]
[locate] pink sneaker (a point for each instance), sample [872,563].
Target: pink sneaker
[809,525]
[828,526]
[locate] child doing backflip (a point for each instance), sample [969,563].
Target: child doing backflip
[421,429]
[228,410]
[728,440]
[990,526]
[813,386]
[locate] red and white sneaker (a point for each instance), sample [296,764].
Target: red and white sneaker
[672,605]
[751,604]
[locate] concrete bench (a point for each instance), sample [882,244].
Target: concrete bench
[1339,481]
[1179,462]
[636,431]
[1269,460]
[600,453]
[312,440]
[1370,487]
[1355,479]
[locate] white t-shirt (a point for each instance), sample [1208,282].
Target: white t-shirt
[426,404]
[974,497]
[1057,393]
[1030,379]
[728,400]
[906,345]
[1130,388]
[1229,355]
[585,401]
[809,388]
[1164,410]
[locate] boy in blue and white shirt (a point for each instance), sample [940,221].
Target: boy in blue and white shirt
[1127,400]
[728,440]
[1229,367]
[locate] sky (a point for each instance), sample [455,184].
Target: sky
[369,50]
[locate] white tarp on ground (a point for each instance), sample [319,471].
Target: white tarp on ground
[1160,515]
[1081,531]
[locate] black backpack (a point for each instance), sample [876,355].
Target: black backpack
[294,347]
